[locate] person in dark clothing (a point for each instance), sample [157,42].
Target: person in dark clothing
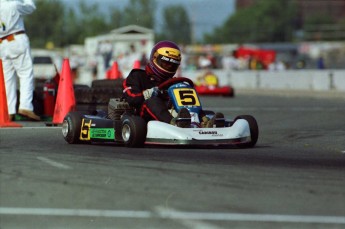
[141,92]
[140,88]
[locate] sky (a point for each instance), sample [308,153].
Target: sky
[205,14]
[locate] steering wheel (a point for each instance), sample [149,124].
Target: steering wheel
[165,85]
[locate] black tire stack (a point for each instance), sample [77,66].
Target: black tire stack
[98,95]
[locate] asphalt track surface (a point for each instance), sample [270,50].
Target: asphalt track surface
[293,178]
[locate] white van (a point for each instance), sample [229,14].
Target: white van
[45,64]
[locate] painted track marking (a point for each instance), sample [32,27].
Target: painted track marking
[54,163]
[168,214]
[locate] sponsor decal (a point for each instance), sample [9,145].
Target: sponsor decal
[102,133]
[208,132]
[213,133]
[170,60]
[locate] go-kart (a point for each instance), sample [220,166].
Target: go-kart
[121,124]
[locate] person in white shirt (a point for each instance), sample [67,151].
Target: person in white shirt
[16,57]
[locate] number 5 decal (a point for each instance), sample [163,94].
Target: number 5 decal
[186,97]
[85,130]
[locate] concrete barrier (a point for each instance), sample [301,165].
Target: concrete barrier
[337,80]
[311,80]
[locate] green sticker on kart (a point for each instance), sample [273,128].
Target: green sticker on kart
[102,133]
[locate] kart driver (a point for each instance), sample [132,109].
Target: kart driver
[140,88]
[208,79]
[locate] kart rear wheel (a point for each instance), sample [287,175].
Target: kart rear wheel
[133,131]
[254,130]
[71,127]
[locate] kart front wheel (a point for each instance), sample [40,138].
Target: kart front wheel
[133,131]
[254,130]
[71,127]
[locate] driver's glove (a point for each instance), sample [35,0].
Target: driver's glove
[148,93]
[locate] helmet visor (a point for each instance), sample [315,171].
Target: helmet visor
[168,64]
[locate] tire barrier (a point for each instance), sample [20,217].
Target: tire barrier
[98,95]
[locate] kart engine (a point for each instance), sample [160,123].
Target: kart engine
[117,107]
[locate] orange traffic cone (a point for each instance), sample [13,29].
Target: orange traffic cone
[114,72]
[65,100]
[4,117]
[136,64]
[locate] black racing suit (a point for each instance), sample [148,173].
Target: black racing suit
[154,108]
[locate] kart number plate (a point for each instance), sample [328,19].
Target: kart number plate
[85,130]
[186,97]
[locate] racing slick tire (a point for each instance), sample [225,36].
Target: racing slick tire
[83,95]
[133,131]
[71,127]
[254,130]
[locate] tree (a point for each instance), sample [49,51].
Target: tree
[321,27]
[45,24]
[116,18]
[139,12]
[176,25]
[84,22]
[91,21]
[71,28]
[51,22]
[265,21]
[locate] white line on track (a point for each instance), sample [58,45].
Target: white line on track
[168,214]
[54,163]
[188,223]
[31,127]
[74,212]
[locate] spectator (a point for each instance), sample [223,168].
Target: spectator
[277,65]
[133,56]
[94,68]
[143,59]
[16,56]
[229,62]
[320,63]
[204,62]
[75,64]
[106,50]
[255,63]
[301,64]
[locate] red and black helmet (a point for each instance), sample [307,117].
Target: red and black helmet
[164,60]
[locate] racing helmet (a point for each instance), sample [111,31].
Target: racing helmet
[164,60]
